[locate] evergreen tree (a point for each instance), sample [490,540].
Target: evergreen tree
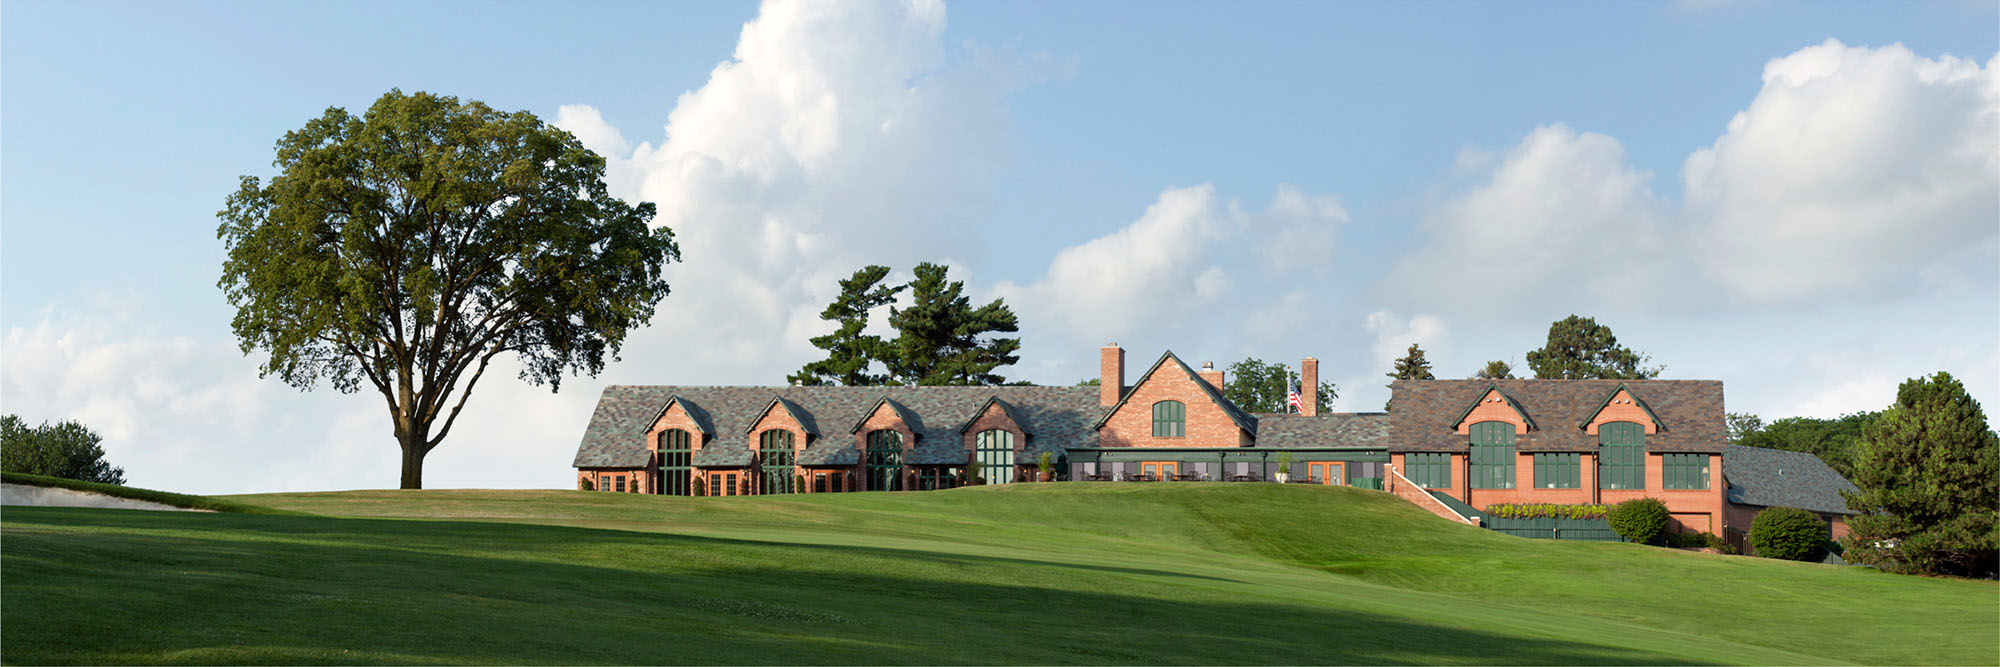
[1580,349]
[1413,366]
[850,353]
[1928,488]
[1256,386]
[941,337]
[1495,370]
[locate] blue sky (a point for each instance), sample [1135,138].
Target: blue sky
[1224,179]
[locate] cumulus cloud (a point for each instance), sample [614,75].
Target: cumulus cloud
[1855,171]
[1559,218]
[1185,260]
[839,135]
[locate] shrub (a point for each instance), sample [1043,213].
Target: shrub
[1545,511]
[1789,533]
[1640,520]
[68,450]
[1685,540]
[1285,462]
[586,485]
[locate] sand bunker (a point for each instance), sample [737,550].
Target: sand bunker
[47,496]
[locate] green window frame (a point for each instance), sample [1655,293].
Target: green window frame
[1559,471]
[1169,419]
[1492,455]
[1621,456]
[676,451]
[1430,471]
[775,458]
[885,460]
[1687,472]
[996,455]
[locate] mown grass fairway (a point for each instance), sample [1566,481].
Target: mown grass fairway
[1037,573]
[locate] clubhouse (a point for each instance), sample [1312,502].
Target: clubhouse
[1478,442]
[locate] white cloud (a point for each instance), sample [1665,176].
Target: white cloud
[1560,218]
[1855,171]
[839,135]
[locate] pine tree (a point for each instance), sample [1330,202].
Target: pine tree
[941,339]
[1580,349]
[1495,370]
[849,353]
[1928,488]
[1413,366]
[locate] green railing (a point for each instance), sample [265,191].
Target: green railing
[1550,528]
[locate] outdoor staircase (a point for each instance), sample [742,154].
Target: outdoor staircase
[1435,503]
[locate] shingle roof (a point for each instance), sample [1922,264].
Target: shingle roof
[1334,429]
[901,413]
[1424,410]
[1057,417]
[1778,478]
[1243,419]
[1004,408]
[1511,403]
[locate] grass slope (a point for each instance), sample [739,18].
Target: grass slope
[135,493]
[1092,573]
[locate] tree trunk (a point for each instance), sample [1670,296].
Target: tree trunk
[413,465]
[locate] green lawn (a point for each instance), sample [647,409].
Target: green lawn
[1093,573]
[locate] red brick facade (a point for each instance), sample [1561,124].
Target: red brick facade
[884,417]
[1208,424]
[994,417]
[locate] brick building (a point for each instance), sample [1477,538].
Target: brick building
[1477,442]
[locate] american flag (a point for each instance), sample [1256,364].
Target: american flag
[1292,399]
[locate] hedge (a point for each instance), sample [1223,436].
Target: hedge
[1640,520]
[1789,533]
[1545,511]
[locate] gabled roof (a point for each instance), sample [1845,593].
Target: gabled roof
[1494,388]
[1004,407]
[1059,417]
[1778,478]
[903,413]
[1243,419]
[694,412]
[1348,430]
[1425,409]
[804,419]
[1657,426]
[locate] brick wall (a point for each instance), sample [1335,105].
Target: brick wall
[884,417]
[1207,424]
[996,418]
[1622,409]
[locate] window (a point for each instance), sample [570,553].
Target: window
[1430,471]
[885,460]
[1160,469]
[620,481]
[996,456]
[1684,471]
[774,459]
[1492,455]
[714,485]
[932,478]
[675,452]
[1558,471]
[1621,452]
[1169,419]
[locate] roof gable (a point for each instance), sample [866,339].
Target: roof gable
[1657,426]
[1422,412]
[792,409]
[1242,419]
[694,413]
[909,419]
[1492,389]
[1005,409]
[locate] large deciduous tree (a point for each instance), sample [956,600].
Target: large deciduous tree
[1495,370]
[65,449]
[1257,386]
[942,340]
[1832,440]
[1930,499]
[850,353]
[409,247]
[1581,349]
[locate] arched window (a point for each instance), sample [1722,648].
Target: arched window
[1492,455]
[1169,419]
[774,458]
[885,460]
[675,450]
[1621,455]
[996,456]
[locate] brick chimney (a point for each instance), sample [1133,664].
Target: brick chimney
[1111,365]
[1309,387]
[1208,373]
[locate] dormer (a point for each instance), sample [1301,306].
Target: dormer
[1493,405]
[679,413]
[1622,406]
[784,415]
